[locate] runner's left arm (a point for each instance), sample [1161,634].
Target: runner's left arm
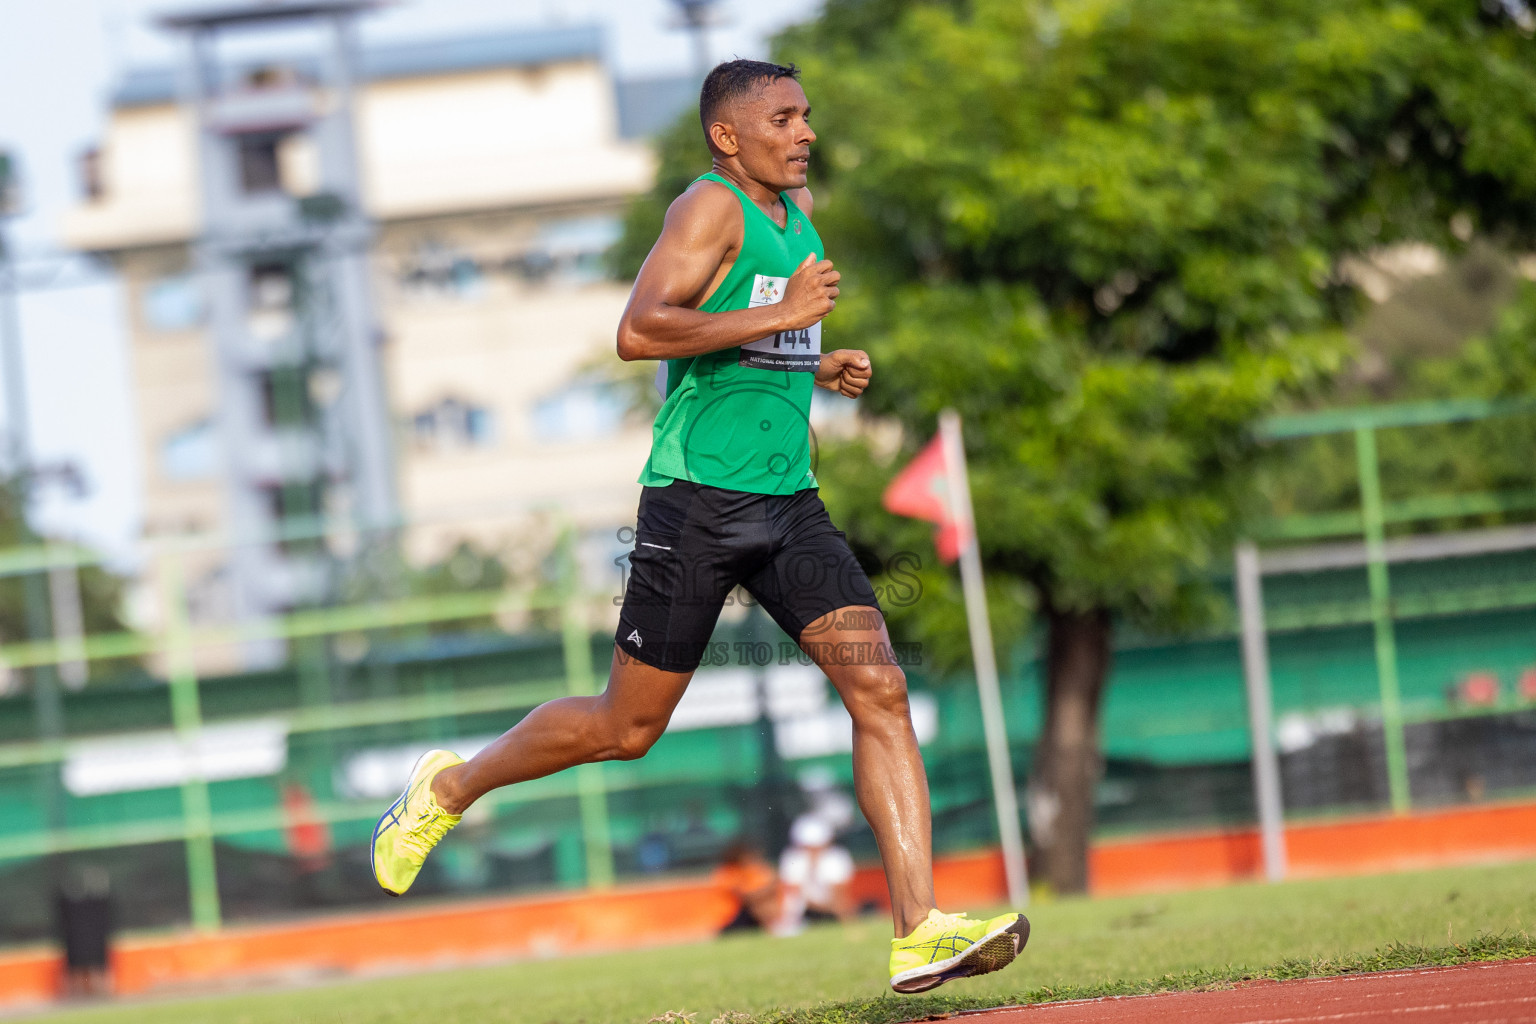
[844,370]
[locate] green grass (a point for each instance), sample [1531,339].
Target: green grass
[833,975]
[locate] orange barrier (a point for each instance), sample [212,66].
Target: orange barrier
[30,977]
[1346,846]
[959,880]
[454,933]
[647,915]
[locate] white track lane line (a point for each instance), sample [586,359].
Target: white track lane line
[1426,1008]
[1335,981]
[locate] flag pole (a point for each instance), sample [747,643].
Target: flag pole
[1004,796]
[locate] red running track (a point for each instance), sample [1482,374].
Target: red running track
[1490,993]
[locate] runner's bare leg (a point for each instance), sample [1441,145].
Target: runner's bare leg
[852,647]
[619,725]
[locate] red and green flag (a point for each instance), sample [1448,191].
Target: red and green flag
[921,491]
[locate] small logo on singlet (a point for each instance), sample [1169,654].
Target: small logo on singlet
[634,635]
[797,227]
[798,351]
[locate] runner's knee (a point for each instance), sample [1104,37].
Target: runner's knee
[631,738]
[876,693]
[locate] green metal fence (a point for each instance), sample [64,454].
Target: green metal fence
[1175,703]
[1371,521]
[177,644]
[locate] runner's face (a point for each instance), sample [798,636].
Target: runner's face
[774,135]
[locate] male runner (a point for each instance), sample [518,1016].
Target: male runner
[732,297]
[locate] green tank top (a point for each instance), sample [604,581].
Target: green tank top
[739,418]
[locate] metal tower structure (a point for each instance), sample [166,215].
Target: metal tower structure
[302,410]
[698,16]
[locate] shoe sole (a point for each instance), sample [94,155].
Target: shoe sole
[373,846]
[991,953]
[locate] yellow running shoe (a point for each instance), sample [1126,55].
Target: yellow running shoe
[949,946]
[412,826]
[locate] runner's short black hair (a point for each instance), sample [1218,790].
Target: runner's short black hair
[737,78]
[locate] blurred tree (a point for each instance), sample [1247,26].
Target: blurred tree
[1422,315]
[467,567]
[1110,234]
[683,156]
[101,593]
[1465,331]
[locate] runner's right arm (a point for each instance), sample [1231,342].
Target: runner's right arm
[701,237]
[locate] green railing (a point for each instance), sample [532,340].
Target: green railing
[1370,521]
[178,640]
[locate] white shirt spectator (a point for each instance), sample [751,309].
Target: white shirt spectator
[813,873]
[816,873]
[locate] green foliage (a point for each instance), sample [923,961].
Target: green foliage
[1109,234]
[1475,345]
[101,592]
[682,156]
[382,573]
[1423,318]
[465,568]
[921,598]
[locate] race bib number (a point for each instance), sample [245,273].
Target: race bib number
[797,351]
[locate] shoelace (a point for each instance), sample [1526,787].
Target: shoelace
[953,920]
[431,825]
[945,922]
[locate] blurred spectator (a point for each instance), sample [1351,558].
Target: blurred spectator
[814,875]
[309,837]
[1478,689]
[748,877]
[653,853]
[85,931]
[1527,685]
[825,800]
[309,842]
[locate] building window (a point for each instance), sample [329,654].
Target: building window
[437,269]
[569,251]
[286,400]
[272,76]
[173,303]
[91,183]
[260,169]
[191,453]
[270,302]
[586,410]
[295,499]
[271,286]
[454,423]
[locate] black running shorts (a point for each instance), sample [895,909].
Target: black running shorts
[693,544]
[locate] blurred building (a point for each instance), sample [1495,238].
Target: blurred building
[495,170]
